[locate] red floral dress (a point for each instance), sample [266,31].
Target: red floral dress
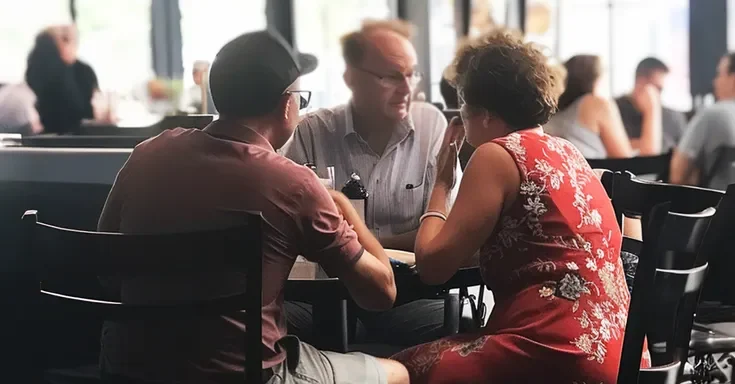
[553,265]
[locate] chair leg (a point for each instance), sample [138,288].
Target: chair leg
[451,313]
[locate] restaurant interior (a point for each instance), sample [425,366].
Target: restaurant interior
[150,63]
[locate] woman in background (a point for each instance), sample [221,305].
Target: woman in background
[64,86]
[592,123]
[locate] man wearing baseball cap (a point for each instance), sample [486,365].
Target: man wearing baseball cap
[190,180]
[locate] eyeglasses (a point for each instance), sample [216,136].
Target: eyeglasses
[304,97]
[390,81]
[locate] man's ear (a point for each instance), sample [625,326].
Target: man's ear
[286,104]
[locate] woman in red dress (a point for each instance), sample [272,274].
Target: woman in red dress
[548,239]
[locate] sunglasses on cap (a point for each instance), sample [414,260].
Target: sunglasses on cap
[304,97]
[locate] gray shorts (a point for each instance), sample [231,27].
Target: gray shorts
[305,364]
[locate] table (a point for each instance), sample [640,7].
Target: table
[329,296]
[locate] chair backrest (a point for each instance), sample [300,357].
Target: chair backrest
[642,165]
[55,251]
[716,248]
[71,205]
[607,178]
[635,197]
[664,298]
[722,171]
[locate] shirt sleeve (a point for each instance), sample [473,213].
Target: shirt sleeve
[696,139]
[680,124]
[326,237]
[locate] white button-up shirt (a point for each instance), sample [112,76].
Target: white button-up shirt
[327,138]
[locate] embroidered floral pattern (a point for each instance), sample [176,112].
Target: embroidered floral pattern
[465,349]
[593,282]
[546,292]
[420,360]
[571,287]
[552,259]
[601,323]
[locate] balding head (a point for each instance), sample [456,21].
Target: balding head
[372,34]
[388,45]
[381,68]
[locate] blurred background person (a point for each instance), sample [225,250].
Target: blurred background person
[650,75]
[695,159]
[17,110]
[191,99]
[64,86]
[592,123]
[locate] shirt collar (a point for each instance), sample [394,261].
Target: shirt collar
[405,125]
[238,132]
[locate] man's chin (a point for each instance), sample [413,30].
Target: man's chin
[400,113]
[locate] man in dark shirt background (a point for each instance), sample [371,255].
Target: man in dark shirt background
[651,72]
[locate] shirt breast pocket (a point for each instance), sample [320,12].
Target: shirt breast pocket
[406,208]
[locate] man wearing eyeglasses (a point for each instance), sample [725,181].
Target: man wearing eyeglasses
[187,180]
[391,142]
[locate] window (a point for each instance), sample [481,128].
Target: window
[443,37]
[22,21]
[486,14]
[114,38]
[623,32]
[584,28]
[541,26]
[319,24]
[658,28]
[202,38]
[730,24]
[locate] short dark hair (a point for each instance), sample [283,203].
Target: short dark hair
[508,78]
[649,66]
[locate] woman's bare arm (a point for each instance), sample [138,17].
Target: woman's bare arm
[443,247]
[611,128]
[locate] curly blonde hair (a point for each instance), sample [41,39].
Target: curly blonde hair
[507,77]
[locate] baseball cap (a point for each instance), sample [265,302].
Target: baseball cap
[251,72]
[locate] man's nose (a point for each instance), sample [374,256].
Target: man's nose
[405,87]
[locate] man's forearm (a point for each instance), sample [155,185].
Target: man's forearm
[403,242]
[651,131]
[365,237]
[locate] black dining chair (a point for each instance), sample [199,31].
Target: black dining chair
[664,297]
[52,251]
[714,330]
[713,335]
[657,166]
[635,197]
